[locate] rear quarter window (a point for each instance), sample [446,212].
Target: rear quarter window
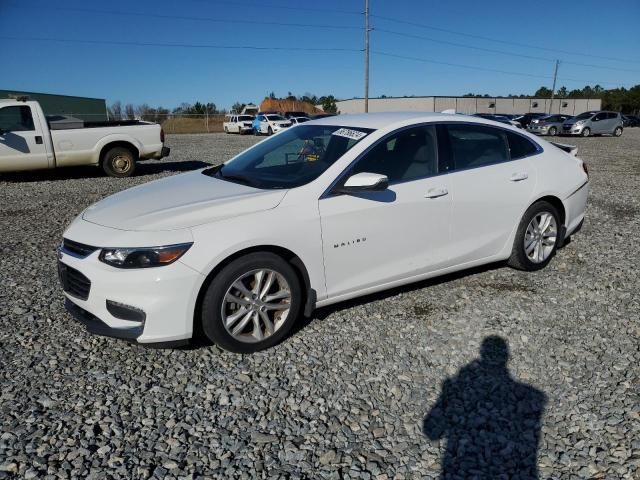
[520,146]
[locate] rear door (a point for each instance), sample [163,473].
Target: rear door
[491,185]
[22,145]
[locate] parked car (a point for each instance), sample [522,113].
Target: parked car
[498,118]
[297,120]
[525,119]
[594,123]
[630,121]
[28,141]
[289,115]
[269,123]
[548,125]
[320,213]
[238,124]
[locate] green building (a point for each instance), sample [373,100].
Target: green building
[80,107]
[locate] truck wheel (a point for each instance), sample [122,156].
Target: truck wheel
[119,162]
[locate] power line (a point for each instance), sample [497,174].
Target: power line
[486,69]
[506,42]
[179,45]
[185,17]
[501,52]
[281,7]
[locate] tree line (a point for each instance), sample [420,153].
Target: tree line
[118,111]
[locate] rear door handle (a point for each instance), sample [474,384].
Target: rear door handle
[38,140]
[436,192]
[518,177]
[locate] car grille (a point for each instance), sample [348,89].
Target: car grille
[77,249]
[73,282]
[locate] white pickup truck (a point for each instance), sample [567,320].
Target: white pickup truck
[31,141]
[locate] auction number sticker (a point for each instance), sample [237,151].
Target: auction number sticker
[348,133]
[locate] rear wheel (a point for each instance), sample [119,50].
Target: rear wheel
[119,162]
[537,237]
[252,303]
[617,132]
[226,130]
[553,131]
[586,132]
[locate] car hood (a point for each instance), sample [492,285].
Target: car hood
[180,202]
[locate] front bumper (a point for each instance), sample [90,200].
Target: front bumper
[572,130]
[538,130]
[164,296]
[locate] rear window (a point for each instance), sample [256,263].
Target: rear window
[474,146]
[519,146]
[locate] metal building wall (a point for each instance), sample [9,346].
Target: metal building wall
[471,105]
[80,107]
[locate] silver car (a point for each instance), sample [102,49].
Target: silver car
[594,123]
[547,125]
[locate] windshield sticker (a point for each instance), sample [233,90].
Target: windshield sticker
[348,133]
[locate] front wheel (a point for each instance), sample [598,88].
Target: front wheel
[617,132]
[537,237]
[586,132]
[269,131]
[119,162]
[553,131]
[252,303]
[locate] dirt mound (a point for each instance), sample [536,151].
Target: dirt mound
[283,105]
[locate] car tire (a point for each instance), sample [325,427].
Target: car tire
[532,247]
[586,132]
[617,132]
[119,162]
[553,131]
[269,131]
[226,130]
[219,309]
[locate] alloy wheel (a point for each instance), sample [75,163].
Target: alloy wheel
[256,305]
[540,237]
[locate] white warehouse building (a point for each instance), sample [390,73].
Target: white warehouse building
[568,106]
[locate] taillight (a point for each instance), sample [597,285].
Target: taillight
[161,135]
[585,168]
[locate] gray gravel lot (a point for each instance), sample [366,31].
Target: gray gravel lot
[352,393]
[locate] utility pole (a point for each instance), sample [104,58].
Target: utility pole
[366,55]
[553,89]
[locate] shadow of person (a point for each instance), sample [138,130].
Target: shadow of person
[491,421]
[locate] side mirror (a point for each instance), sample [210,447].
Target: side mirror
[364,182]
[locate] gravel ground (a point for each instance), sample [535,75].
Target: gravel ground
[358,391]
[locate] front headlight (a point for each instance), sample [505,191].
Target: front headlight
[580,122]
[143,257]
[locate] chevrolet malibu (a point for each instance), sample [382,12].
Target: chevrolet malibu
[323,212]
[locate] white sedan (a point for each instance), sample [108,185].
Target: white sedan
[323,212]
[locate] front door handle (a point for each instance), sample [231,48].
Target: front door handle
[518,177]
[436,192]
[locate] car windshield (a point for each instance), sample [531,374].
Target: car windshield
[274,117]
[585,115]
[291,158]
[245,118]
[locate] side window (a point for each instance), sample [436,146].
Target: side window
[612,115]
[408,155]
[599,116]
[16,119]
[519,146]
[474,146]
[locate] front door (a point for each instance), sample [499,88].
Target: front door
[373,238]
[22,145]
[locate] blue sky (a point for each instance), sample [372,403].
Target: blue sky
[605,34]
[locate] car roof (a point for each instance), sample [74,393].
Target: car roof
[387,119]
